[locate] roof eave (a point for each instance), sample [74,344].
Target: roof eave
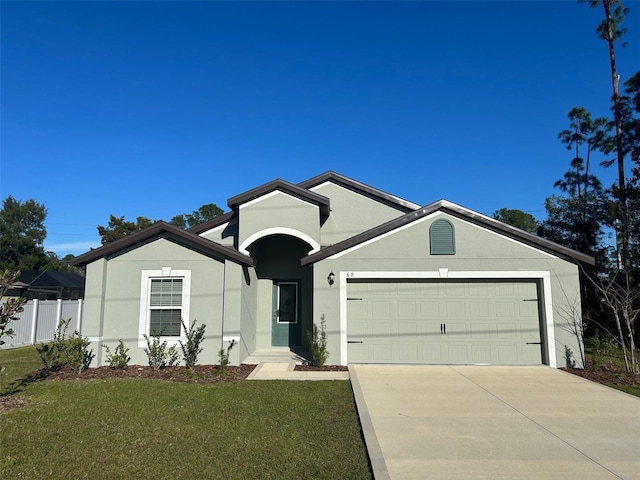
[464,214]
[161,230]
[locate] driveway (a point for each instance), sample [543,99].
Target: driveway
[473,422]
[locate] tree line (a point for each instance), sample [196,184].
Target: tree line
[23,231]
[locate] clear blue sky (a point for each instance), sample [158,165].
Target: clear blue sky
[156,108]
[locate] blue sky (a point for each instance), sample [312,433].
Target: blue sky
[156,108]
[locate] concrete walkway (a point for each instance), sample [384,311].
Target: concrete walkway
[285,371]
[472,422]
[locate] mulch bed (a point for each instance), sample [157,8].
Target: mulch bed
[607,375]
[199,374]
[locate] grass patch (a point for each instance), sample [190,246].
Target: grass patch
[18,363]
[149,429]
[631,389]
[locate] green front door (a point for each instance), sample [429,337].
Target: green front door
[285,321]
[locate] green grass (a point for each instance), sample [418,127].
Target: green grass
[144,429]
[631,389]
[18,362]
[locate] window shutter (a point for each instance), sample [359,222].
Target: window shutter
[441,238]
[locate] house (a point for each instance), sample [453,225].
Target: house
[47,285]
[393,281]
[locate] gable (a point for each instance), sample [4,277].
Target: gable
[278,212]
[455,212]
[353,212]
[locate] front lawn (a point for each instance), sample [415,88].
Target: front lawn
[139,428]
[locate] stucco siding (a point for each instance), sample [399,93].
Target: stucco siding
[478,251]
[351,213]
[278,213]
[224,234]
[248,320]
[120,317]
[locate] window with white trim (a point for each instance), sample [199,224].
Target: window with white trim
[165,307]
[164,302]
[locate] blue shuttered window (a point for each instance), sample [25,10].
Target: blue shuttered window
[442,238]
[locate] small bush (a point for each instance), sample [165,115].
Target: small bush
[224,359]
[77,352]
[159,356]
[317,340]
[191,349]
[568,358]
[52,353]
[119,359]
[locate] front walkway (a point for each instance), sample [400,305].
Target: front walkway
[472,422]
[285,371]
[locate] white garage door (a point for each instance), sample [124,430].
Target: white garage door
[443,322]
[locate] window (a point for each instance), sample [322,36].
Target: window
[164,302]
[165,307]
[441,238]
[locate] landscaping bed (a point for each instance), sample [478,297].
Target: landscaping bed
[610,375]
[199,374]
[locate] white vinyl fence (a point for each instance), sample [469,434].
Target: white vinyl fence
[39,320]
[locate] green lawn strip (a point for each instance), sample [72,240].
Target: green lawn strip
[631,389]
[135,428]
[18,362]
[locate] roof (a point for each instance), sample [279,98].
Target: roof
[209,224]
[359,187]
[49,278]
[303,190]
[285,187]
[167,231]
[456,211]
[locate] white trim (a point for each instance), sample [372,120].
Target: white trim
[145,281]
[543,275]
[214,229]
[232,338]
[429,217]
[273,194]
[315,246]
[415,206]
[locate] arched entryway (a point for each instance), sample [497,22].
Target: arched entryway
[284,293]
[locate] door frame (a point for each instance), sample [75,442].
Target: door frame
[275,317]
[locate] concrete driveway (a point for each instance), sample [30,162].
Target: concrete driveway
[472,422]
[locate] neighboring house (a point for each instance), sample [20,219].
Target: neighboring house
[48,285]
[395,282]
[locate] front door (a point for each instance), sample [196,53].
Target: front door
[285,321]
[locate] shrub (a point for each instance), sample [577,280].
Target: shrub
[120,358]
[192,349]
[568,358]
[317,339]
[52,353]
[77,353]
[224,359]
[158,354]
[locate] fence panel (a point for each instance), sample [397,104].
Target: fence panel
[47,320]
[21,328]
[48,314]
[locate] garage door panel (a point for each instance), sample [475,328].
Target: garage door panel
[430,309]
[481,353]
[402,322]
[381,353]
[480,331]
[408,353]
[455,309]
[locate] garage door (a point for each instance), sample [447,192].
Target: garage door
[443,322]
